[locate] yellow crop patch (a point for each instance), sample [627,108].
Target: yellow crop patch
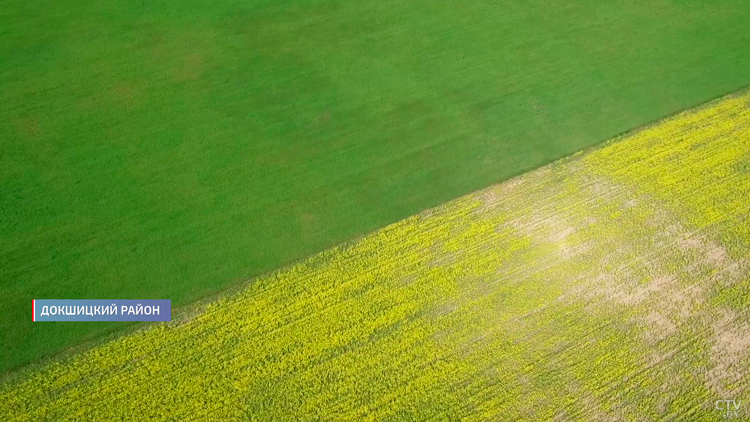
[612,285]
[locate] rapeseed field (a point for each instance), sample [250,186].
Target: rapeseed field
[611,285]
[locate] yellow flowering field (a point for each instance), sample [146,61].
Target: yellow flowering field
[613,285]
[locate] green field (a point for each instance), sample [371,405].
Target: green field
[172,149]
[608,286]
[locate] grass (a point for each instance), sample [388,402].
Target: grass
[612,285]
[170,149]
